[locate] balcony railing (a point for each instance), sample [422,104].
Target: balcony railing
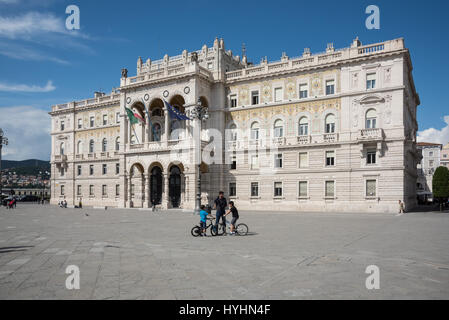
[304,139]
[330,137]
[375,134]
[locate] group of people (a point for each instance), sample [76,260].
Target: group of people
[11,204]
[220,205]
[62,204]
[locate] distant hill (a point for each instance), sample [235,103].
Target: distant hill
[26,167]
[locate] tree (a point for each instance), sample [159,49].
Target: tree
[440,185]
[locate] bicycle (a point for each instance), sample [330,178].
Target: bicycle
[240,229]
[197,230]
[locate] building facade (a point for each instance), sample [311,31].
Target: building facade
[334,131]
[431,153]
[444,159]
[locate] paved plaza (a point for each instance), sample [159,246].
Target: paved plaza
[137,254]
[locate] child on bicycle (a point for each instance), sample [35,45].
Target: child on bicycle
[235,216]
[203,220]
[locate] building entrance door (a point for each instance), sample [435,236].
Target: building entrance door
[175,187]
[156,186]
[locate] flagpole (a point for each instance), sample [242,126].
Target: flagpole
[132,127]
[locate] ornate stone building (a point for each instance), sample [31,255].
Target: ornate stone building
[334,131]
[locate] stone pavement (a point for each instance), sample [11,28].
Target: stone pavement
[136,254]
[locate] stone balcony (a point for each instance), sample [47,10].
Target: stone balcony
[330,138]
[304,139]
[60,159]
[376,134]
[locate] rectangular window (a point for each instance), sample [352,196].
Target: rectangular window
[371,188]
[278,160]
[62,190]
[117,190]
[278,189]
[330,87]
[80,123]
[117,117]
[92,121]
[254,97]
[117,168]
[254,189]
[210,65]
[371,157]
[78,190]
[62,171]
[232,189]
[330,189]
[303,160]
[104,190]
[105,119]
[430,153]
[278,94]
[370,81]
[91,169]
[233,100]
[234,163]
[79,170]
[105,169]
[330,158]
[302,189]
[254,162]
[91,190]
[62,125]
[303,92]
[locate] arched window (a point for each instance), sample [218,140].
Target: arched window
[79,147]
[255,131]
[330,123]
[156,132]
[91,146]
[104,145]
[156,112]
[278,128]
[303,129]
[117,144]
[371,119]
[61,149]
[233,132]
[175,132]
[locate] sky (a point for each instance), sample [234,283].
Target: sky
[42,63]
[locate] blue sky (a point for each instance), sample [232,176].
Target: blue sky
[42,63]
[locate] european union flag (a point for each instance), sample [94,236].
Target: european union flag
[174,113]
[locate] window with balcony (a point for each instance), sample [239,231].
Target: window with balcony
[370,81]
[303,189]
[62,171]
[255,131]
[371,119]
[254,189]
[330,158]
[330,189]
[156,132]
[371,157]
[233,162]
[330,87]
[278,160]
[278,128]
[278,189]
[278,94]
[79,147]
[303,91]
[233,101]
[62,148]
[330,123]
[371,186]
[303,129]
[254,97]
[232,189]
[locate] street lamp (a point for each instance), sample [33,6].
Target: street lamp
[200,113]
[3,141]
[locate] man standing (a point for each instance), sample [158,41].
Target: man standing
[220,204]
[401,208]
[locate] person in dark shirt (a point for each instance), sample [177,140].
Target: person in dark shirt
[235,216]
[220,204]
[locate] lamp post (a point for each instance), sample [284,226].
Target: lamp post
[3,141]
[199,113]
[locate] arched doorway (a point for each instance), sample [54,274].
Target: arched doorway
[136,191]
[174,185]
[156,186]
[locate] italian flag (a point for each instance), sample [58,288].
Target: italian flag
[134,117]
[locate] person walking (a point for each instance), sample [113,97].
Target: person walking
[401,208]
[220,205]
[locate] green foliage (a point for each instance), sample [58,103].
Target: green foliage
[440,183]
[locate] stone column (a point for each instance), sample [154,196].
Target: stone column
[165,197]
[145,192]
[129,192]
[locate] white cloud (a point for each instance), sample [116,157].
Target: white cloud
[20,52]
[28,131]
[434,135]
[26,88]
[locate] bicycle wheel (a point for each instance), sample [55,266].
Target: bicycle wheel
[196,231]
[241,229]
